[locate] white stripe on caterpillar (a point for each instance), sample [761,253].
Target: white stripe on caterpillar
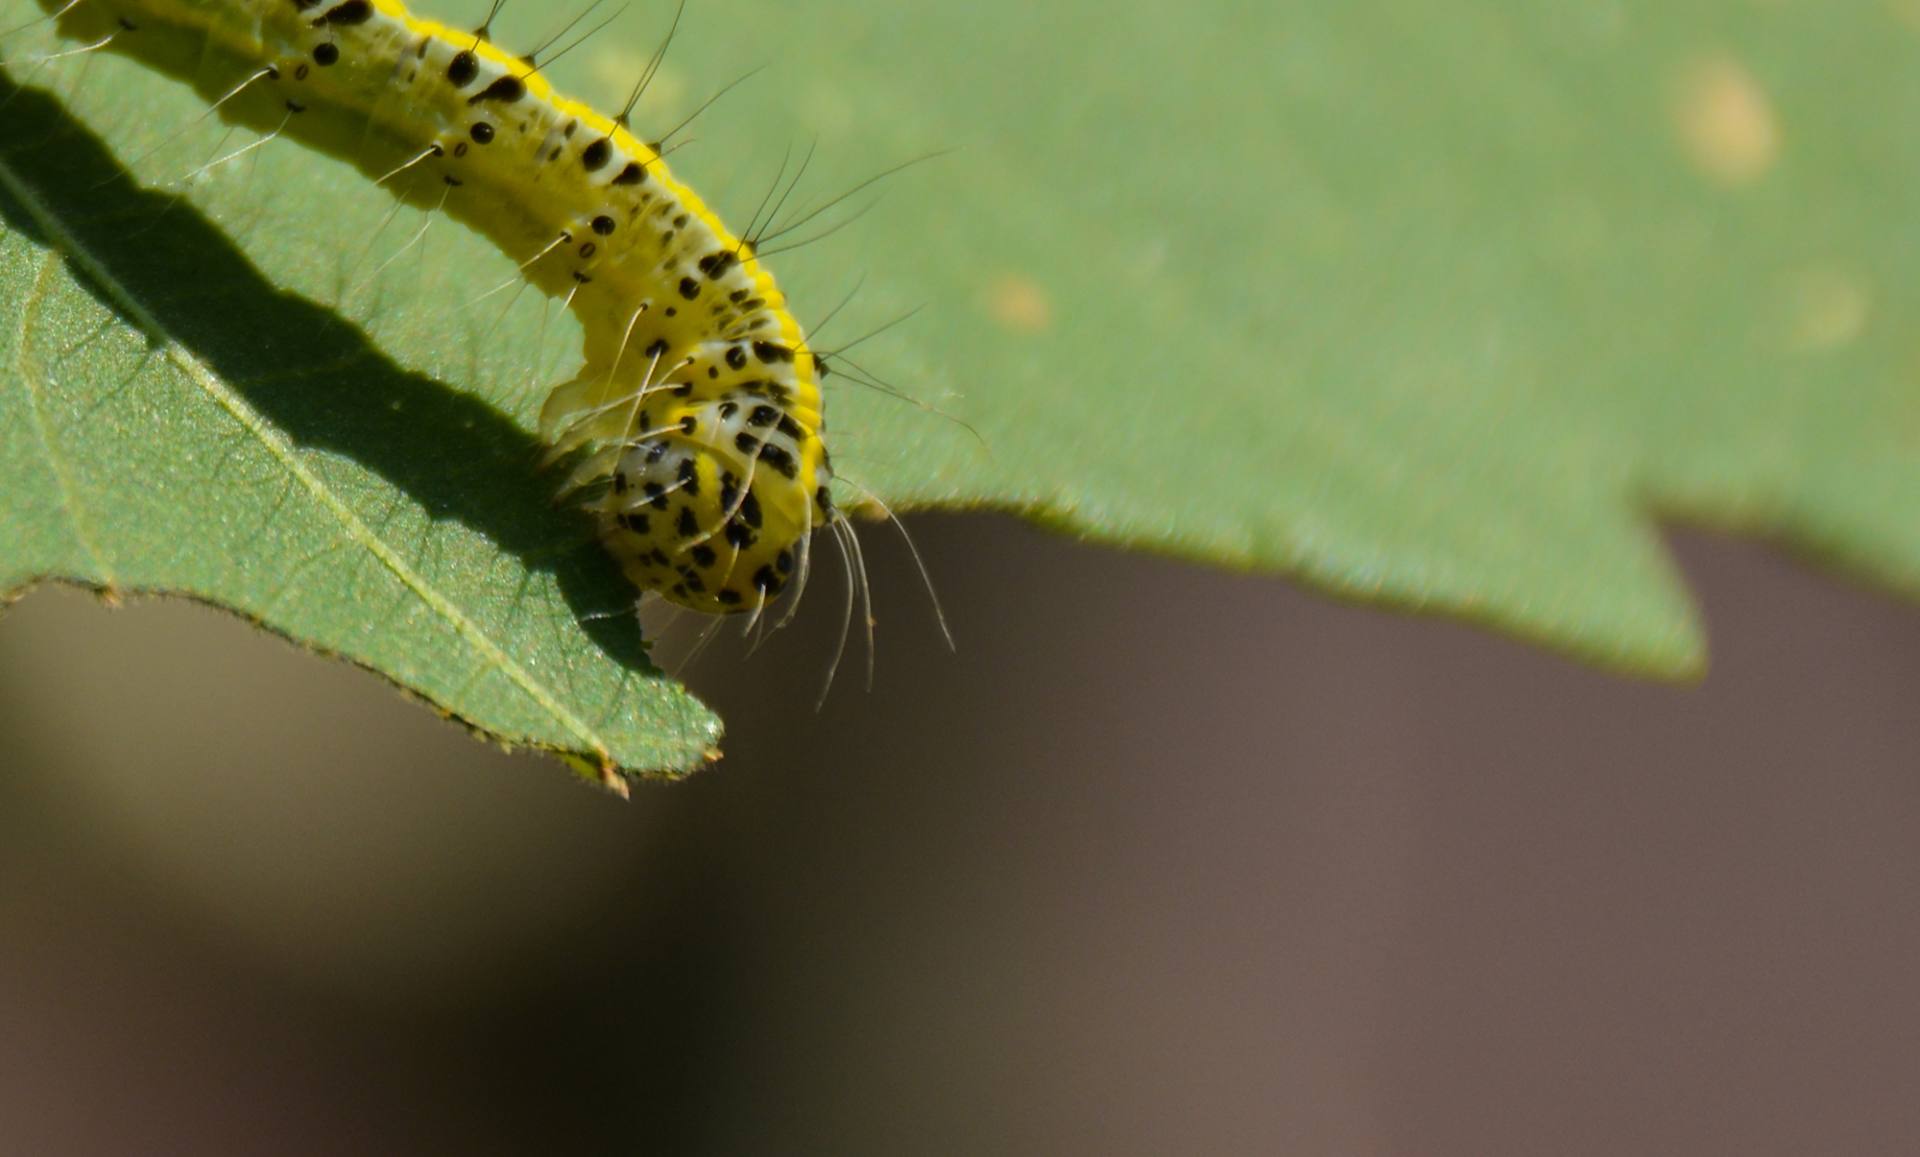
[695,421]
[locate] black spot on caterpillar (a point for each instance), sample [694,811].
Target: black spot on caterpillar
[391,93]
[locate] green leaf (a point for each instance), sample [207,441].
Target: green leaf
[1438,305]
[171,420]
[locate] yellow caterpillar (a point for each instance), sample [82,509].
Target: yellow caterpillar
[695,422]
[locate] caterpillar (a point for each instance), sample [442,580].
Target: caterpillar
[694,425]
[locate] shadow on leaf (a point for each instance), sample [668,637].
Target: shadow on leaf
[458,457]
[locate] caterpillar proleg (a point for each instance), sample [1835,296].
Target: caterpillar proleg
[693,427]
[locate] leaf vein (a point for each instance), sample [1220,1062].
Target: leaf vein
[282,451]
[32,378]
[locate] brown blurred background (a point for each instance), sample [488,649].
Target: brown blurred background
[1162,861]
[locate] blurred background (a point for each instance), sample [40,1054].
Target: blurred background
[1163,860]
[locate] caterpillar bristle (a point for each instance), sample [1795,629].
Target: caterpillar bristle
[652,70]
[531,56]
[692,431]
[485,31]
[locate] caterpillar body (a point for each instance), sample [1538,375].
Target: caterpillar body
[695,421]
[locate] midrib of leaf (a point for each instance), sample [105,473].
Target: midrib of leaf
[275,445]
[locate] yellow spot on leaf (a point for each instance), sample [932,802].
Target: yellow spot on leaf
[617,70]
[1018,303]
[1829,309]
[1725,121]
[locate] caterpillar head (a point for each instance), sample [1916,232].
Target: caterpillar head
[708,493]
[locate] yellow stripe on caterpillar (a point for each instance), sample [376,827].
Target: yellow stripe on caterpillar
[695,419]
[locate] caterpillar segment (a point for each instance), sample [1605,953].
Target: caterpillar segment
[693,428]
